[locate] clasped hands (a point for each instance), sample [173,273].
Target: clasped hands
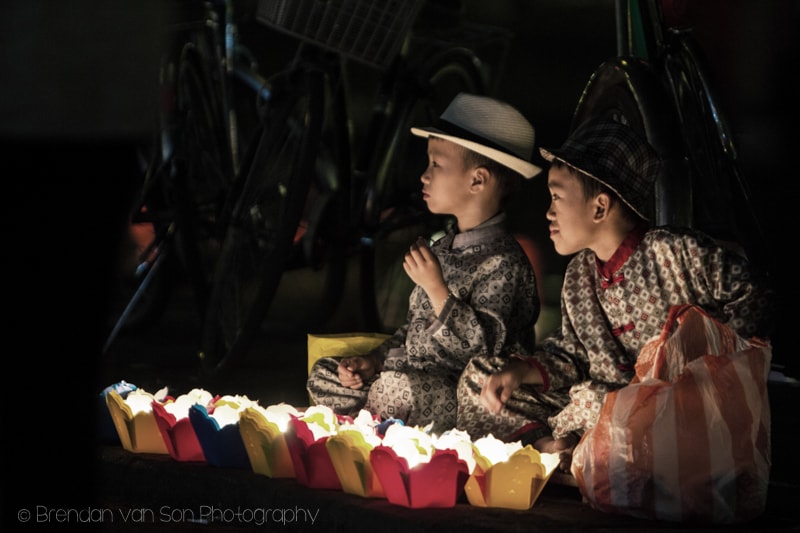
[355,371]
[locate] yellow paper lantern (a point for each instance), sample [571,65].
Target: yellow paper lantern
[349,450]
[135,422]
[262,434]
[511,484]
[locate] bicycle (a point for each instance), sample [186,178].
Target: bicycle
[659,83]
[307,165]
[209,89]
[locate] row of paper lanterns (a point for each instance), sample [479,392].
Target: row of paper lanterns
[363,456]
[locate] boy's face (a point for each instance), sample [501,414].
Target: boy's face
[446,181]
[571,215]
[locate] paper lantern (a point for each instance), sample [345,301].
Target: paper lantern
[512,478]
[306,437]
[414,472]
[106,430]
[172,418]
[136,425]
[349,451]
[460,442]
[262,431]
[409,442]
[218,432]
[436,483]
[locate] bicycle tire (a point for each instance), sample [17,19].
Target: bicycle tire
[189,171]
[263,223]
[725,204]
[400,215]
[150,260]
[203,169]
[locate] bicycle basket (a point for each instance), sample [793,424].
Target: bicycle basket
[369,31]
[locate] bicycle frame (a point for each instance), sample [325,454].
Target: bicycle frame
[205,35]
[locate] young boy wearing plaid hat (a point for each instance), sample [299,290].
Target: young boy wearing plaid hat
[617,292]
[475,287]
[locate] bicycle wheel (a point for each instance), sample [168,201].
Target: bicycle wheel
[176,224]
[151,257]
[264,221]
[725,202]
[203,171]
[400,215]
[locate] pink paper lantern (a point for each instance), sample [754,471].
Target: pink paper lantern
[437,483]
[312,462]
[178,434]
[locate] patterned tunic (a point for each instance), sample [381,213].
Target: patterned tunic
[493,309]
[609,311]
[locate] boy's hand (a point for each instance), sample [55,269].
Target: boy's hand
[423,267]
[354,372]
[498,386]
[563,447]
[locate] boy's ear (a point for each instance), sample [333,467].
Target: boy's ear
[480,176]
[602,203]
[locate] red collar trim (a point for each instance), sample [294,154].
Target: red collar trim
[625,250]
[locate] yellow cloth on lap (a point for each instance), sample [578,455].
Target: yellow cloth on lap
[341,345]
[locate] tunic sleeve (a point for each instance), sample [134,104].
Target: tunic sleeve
[495,318]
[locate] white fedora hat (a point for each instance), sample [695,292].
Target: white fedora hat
[489,127]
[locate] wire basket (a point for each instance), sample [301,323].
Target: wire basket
[369,31]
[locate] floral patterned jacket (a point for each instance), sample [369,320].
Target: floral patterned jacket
[609,311]
[492,309]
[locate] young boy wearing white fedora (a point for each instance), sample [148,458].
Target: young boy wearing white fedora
[617,291]
[475,288]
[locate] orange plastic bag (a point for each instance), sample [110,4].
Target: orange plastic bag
[689,438]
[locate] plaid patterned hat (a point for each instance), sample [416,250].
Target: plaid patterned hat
[489,127]
[616,156]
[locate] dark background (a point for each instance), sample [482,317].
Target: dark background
[74,102]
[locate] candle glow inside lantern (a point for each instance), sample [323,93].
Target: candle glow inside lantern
[349,450]
[414,472]
[172,418]
[217,430]
[507,475]
[262,431]
[135,422]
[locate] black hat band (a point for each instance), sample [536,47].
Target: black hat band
[449,128]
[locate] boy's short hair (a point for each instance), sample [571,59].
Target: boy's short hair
[508,180]
[615,155]
[592,187]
